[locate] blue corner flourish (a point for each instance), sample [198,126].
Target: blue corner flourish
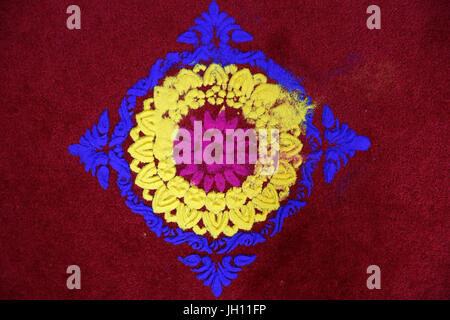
[217,275]
[90,147]
[343,142]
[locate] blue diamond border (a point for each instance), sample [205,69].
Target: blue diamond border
[342,141]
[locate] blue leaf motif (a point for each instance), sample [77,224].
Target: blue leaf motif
[89,149]
[329,170]
[189,37]
[191,261]
[213,9]
[220,275]
[214,24]
[241,238]
[103,176]
[241,36]
[216,286]
[283,212]
[327,117]
[243,260]
[361,143]
[228,268]
[103,123]
[343,143]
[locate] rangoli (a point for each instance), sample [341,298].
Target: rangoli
[216,147]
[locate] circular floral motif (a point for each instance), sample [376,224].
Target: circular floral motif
[221,198]
[219,176]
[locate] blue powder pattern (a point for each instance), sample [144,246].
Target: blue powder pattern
[342,144]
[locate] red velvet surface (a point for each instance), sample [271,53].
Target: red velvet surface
[388,206]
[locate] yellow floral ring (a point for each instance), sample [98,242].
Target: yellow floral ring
[266,107]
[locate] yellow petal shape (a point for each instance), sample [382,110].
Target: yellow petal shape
[194,98]
[242,81]
[148,103]
[230,69]
[283,194]
[215,201]
[296,161]
[165,133]
[290,146]
[290,114]
[252,186]
[261,216]
[187,79]
[243,217]
[235,198]
[142,149]
[215,75]
[285,176]
[285,116]
[259,78]
[178,186]
[199,67]
[134,133]
[229,231]
[166,169]
[199,230]
[134,165]
[265,95]
[169,82]
[147,121]
[147,178]
[186,217]
[215,223]
[146,195]
[267,200]
[170,217]
[165,98]
[164,201]
[195,198]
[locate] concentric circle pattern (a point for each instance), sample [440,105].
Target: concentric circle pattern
[217,198]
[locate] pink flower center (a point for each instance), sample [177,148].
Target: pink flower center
[214,176]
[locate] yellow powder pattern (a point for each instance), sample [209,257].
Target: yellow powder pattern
[264,105]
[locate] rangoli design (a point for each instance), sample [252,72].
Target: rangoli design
[174,148]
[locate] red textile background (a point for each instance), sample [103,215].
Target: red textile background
[388,207]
